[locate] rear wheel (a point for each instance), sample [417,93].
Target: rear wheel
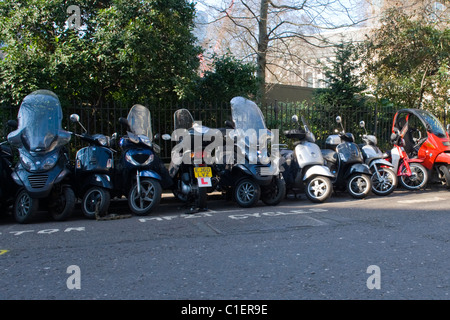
[247,192]
[359,185]
[275,192]
[385,183]
[318,189]
[62,207]
[25,207]
[141,203]
[95,202]
[418,178]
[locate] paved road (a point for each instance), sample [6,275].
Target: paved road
[394,247]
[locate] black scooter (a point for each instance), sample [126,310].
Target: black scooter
[93,173]
[192,177]
[244,166]
[140,174]
[43,172]
[8,188]
[343,156]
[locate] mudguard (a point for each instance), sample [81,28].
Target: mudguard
[317,170]
[99,180]
[443,158]
[149,174]
[358,168]
[381,162]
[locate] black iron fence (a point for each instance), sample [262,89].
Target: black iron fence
[105,119]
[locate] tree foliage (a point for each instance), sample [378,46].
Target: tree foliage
[228,77]
[407,61]
[343,85]
[130,50]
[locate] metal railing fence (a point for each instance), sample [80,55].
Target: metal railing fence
[105,119]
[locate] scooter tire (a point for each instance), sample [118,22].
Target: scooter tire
[95,196]
[67,196]
[443,169]
[380,189]
[415,184]
[25,207]
[275,193]
[318,189]
[202,197]
[247,193]
[354,184]
[146,209]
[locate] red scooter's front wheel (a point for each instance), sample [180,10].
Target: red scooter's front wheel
[418,178]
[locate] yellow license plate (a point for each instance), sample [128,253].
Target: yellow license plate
[202,172]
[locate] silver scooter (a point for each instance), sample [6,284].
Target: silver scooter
[384,178]
[303,168]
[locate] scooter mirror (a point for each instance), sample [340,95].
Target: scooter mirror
[123,121]
[166,137]
[448,128]
[295,118]
[74,118]
[13,124]
[362,124]
[338,119]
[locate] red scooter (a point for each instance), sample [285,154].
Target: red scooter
[412,175]
[426,142]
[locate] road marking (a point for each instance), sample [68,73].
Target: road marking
[421,200]
[3,251]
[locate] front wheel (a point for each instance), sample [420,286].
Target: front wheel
[444,175]
[62,207]
[247,192]
[385,183]
[25,207]
[359,185]
[318,189]
[95,202]
[275,192]
[418,178]
[141,203]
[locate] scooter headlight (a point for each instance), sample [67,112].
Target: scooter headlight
[102,141]
[50,161]
[139,159]
[27,163]
[145,140]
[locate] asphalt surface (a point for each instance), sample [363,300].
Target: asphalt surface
[379,248]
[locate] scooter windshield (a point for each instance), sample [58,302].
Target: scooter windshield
[39,123]
[433,124]
[246,115]
[183,119]
[140,121]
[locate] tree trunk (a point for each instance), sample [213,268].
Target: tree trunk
[262,50]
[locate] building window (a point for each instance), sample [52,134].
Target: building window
[309,80]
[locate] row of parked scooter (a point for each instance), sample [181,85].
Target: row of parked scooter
[203,160]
